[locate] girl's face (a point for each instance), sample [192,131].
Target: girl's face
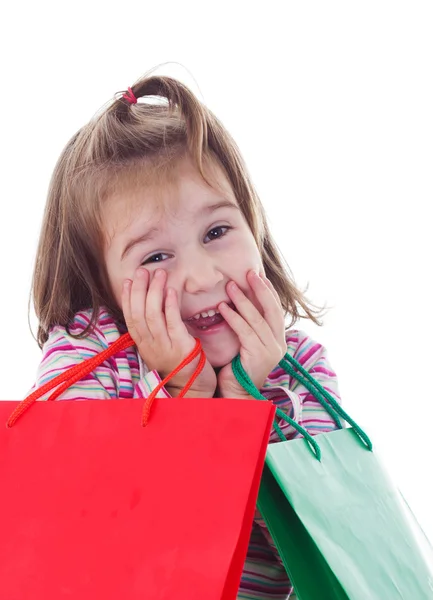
[201,247]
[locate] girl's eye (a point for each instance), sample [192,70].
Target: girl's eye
[153,259]
[219,227]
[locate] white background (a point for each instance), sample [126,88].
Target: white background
[331,105]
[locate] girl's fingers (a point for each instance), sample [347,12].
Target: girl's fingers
[249,322]
[271,287]
[135,327]
[154,315]
[136,304]
[268,298]
[126,304]
[176,328]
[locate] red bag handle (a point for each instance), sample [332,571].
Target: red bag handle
[74,374]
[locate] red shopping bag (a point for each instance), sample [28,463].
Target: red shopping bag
[94,505]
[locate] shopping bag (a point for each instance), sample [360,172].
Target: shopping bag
[105,499]
[342,528]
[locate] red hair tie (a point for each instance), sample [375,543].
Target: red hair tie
[129,95]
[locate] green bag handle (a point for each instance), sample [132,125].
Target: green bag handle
[331,405]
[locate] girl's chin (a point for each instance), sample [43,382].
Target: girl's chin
[220,346]
[219,357]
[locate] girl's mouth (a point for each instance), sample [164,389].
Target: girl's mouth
[216,322]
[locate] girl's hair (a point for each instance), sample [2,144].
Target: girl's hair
[123,145]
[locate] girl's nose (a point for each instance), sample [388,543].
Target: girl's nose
[202,279]
[196,276]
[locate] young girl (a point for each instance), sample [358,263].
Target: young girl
[152,226]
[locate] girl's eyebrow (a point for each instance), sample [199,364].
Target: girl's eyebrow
[150,234]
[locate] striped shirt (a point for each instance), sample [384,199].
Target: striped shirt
[126,376]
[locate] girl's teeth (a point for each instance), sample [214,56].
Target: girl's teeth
[209,313]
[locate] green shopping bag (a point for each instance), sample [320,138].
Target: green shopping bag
[341,527]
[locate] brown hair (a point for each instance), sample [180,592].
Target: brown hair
[121,143]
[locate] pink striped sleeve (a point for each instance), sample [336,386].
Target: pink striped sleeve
[293,397]
[297,402]
[314,358]
[117,377]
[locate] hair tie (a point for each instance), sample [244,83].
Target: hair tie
[129,95]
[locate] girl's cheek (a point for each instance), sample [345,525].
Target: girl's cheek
[243,281]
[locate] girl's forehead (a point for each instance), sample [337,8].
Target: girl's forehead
[182,194]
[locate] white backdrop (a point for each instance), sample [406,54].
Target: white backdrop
[331,105]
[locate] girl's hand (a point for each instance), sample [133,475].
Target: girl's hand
[161,336]
[262,337]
